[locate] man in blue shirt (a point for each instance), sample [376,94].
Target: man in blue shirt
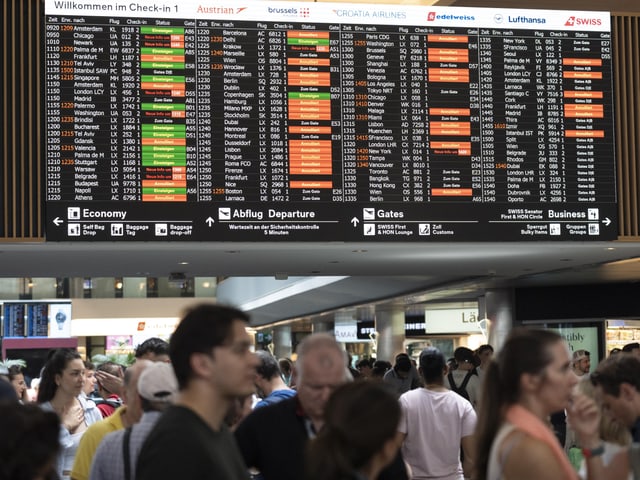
[269,383]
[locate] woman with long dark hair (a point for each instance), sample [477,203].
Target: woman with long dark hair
[359,436]
[61,391]
[528,380]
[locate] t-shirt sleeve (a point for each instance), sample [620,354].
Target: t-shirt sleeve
[403,426]
[469,419]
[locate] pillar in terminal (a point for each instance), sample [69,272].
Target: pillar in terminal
[282,341]
[390,328]
[499,309]
[322,324]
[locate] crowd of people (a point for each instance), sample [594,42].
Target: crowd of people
[205,405]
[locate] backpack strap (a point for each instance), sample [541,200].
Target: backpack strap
[126,454]
[452,382]
[467,377]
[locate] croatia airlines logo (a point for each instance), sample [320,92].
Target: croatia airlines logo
[431,16]
[574,21]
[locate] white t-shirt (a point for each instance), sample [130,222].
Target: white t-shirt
[435,423]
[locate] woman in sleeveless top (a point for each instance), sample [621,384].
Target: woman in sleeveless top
[530,378]
[61,391]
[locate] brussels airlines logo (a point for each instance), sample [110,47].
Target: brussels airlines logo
[573,21]
[285,12]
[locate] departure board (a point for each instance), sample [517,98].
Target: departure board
[271,121]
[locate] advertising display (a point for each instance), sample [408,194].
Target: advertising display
[272,121]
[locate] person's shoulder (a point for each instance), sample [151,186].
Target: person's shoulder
[91,411]
[529,457]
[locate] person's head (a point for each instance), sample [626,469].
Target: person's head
[90,381]
[111,368]
[618,383]
[633,348]
[465,358]
[286,368]
[154,349]
[533,368]
[364,366]
[319,370]
[611,430]
[157,386]
[211,345]
[359,434]
[7,392]
[62,374]
[380,367]
[16,377]
[433,366]
[29,442]
[615,351]
[267,371]
[484,354]
[403,365]
[581,362]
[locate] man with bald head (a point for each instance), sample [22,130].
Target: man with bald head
[125,416]
[272,439]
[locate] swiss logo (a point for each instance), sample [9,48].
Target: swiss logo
[577,21]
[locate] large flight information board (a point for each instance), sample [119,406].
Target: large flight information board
[270,121]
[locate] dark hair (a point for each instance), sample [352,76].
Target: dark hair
[365,362]
[525,351]
[202,328]
[88,365]
[432,363]
[615,351]
[286,366]
[154,345]
[403,363]
[111,368]
[359,418]
[380,367]
[268,366]
[616,370]
[465,355]
[14,371]
[56,364]
[630,347]
[29,441]
[483,348]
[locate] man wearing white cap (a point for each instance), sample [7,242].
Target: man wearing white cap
[581,362]
[157,389]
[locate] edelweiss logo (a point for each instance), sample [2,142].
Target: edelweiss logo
[431,16]
[570,22]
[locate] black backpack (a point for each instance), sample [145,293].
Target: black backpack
[462,389]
